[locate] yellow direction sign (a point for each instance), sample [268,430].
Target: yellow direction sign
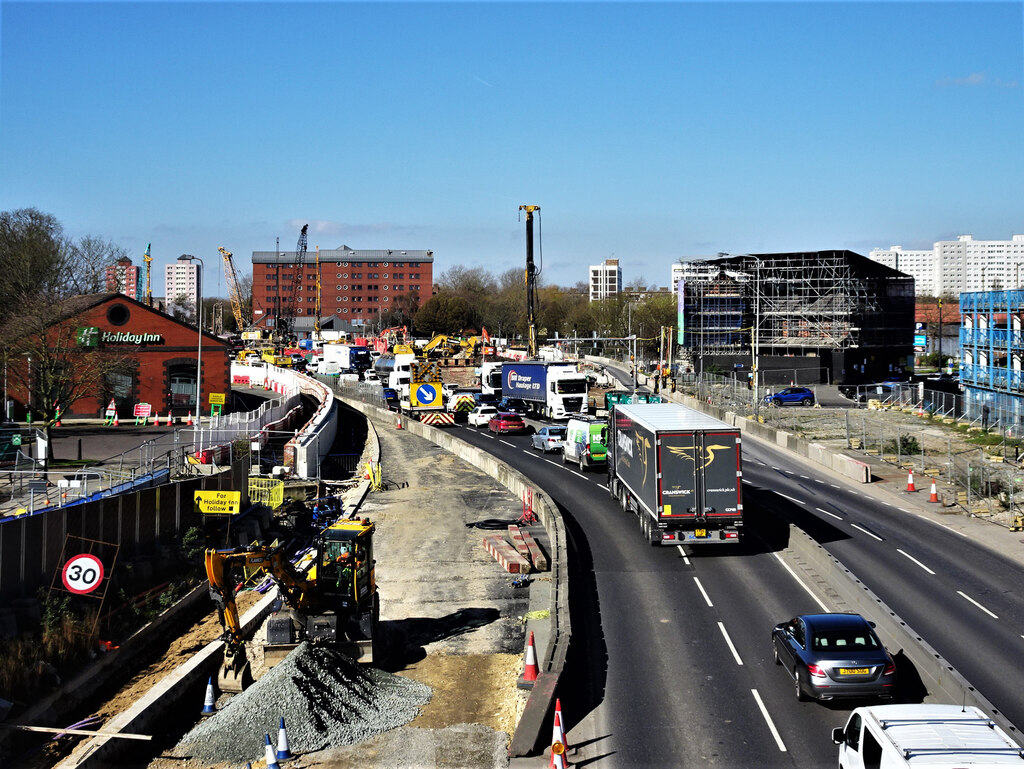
[217,399]
[218,502]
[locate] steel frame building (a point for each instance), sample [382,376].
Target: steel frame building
[835,311]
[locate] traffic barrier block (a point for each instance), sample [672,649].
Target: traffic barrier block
[506,555]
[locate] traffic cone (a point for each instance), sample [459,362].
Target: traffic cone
[398,424]
[117,422]
[269,755]
[190,423]
[170,419]
[208,706]
[530,663]
[558,745]
[910,481]
[283,752]
[934,496]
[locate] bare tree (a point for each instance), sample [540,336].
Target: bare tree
[90,257]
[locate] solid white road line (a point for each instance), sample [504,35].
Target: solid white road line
[703,592]
[912,558]
[993,616]
[861,528]
[826,512]
[768,720]
[732,648]
[576,472]
[801,583]
[791,499]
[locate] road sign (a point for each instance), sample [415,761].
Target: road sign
[111,408]
[218,502]
[82,573]
[217,399]
[426,395]
[143,410]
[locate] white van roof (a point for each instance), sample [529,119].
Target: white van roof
[930,735]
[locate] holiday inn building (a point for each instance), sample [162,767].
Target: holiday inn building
[148,357]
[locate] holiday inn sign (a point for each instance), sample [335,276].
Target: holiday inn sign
[91,336]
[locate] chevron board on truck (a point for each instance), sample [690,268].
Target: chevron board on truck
[438,419]
[425,395]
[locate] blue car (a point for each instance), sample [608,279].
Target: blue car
[791,396]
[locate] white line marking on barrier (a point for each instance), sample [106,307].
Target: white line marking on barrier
[912,558]
[732,648]
[702,592]
[826,512]
[801,583]
[993,616]
[861,528]
[768,719]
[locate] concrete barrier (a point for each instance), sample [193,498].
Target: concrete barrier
[847,593]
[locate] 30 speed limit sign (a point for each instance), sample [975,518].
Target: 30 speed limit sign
[83,573]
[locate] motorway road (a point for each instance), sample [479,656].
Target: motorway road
[671,662]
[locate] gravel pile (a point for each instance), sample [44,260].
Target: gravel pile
[325,698]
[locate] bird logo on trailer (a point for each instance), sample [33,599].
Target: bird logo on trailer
[709,453]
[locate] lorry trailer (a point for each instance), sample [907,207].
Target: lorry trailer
[678,470]
[552,390]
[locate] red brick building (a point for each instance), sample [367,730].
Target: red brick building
[157,358]
[355,285]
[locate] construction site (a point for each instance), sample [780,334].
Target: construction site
[823,317]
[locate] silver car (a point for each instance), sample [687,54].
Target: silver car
[833,655]
[549,438]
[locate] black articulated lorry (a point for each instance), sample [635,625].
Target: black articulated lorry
[677,469]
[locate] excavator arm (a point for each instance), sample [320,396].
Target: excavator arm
[235,674]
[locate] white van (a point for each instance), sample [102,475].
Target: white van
[883,736]
[585,441]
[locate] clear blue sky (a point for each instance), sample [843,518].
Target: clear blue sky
[645,131]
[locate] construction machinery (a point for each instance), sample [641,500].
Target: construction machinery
[286,322]
[531,283]
[334,602]
[234,292]
[316,308]
[148,260]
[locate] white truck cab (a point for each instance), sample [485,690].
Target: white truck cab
[925,735]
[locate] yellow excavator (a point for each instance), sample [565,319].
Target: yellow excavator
[334,602]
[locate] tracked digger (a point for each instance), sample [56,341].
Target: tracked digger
[334,602]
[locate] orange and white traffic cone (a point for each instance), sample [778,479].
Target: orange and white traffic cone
[910,481]
[934,496]
[530,669]
[398,424]
[117,422]
[190,423]
[559,747]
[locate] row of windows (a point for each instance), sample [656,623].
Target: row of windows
[358,275]
[339,287]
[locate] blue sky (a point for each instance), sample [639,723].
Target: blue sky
[645,131]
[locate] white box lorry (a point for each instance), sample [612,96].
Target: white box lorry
[925,735]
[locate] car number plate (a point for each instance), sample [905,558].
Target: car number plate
[700,533]
[853,671]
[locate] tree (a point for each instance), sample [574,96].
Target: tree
[90,257]
[36,260]
[445,313]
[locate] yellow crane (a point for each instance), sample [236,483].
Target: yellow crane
[233,290]
[317,310]
[148,260]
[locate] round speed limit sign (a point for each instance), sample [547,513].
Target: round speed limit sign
[83,573]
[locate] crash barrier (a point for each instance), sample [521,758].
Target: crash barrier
[529,736]
[942,681]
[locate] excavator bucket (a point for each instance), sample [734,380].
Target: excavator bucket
[235,680]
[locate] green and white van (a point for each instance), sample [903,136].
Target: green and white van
[585,441]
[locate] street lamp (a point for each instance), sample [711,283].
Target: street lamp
[199,354]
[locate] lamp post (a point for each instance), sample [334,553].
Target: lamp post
[199,354]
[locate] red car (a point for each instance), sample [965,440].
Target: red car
[507,423]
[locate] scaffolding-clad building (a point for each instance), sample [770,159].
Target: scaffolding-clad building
[813,317]
[992,362]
